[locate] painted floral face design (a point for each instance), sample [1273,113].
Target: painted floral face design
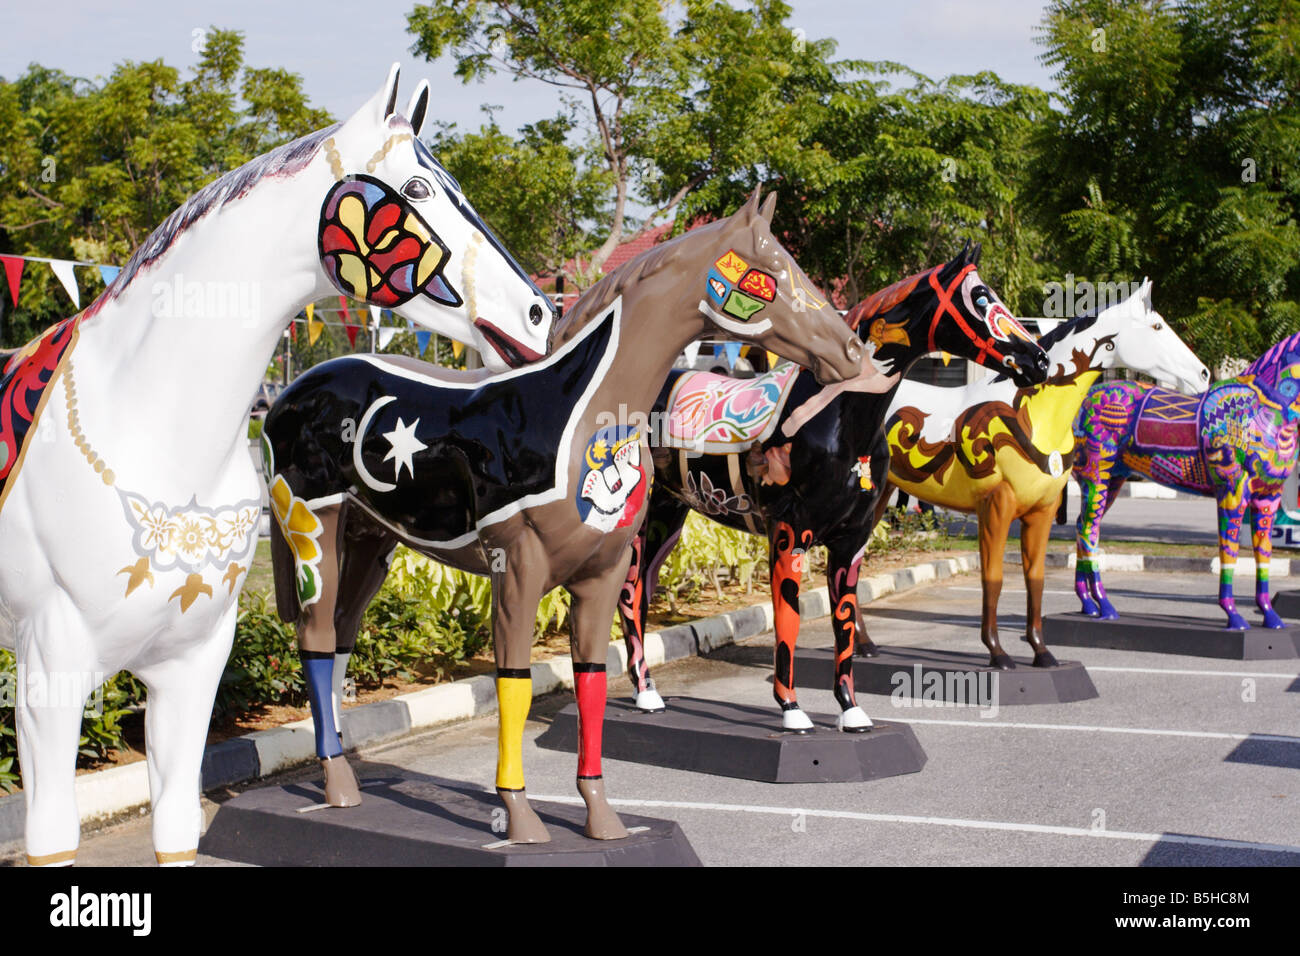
[737,293]
[376,247]
[981,300]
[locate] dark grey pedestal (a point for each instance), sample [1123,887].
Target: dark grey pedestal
[1172,634]
[408,819]
[734,740]
[954,677]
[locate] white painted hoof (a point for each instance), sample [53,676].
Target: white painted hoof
[854,721]
[795,720]
[649,702]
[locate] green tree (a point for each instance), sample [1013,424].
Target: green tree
[88,170]
[1175,157]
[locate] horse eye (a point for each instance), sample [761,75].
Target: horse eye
[417,188]
[982,302]
[1158,326]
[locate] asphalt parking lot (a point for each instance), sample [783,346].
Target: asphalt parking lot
[1181,760]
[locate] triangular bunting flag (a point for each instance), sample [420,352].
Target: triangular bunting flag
[293,330]
[14,273]
[422,340]
[374,316]
[386,336]
[410,325]
[733,353]
[457,348]
[352,331]
[108,274]
[314,325]
[63,272]
[772,359]
[692,352]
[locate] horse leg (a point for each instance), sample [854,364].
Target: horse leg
[181,694]
[995,511]
[1262,512]
[1232,509]
[51,652]
[364,563]
[842,585]
[593,604]
[1098,484]
[316,644]
[516,592]
[788,555]
[1035,531]
[650,548]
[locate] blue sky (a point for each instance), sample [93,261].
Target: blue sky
[343,49]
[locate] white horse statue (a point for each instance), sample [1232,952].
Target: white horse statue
[129,504]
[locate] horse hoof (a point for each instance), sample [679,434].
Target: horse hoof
[1044,659]
[854,721]
[602,822]
[795,721]
[1237,623]
[868,649]
[649,702]
[1272,620]
[1002,662]
[1090,609]
[525,825]
[341,789]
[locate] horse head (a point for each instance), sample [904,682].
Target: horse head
[397,232]
[755,292]
[948,308]
[1275,375]
[1145,342]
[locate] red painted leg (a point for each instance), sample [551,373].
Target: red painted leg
[788,552]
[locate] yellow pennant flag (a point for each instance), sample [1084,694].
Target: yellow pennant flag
[772,359]
[457,348]
[314,326]
[946,356]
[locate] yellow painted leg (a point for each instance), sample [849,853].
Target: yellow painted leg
[514,698]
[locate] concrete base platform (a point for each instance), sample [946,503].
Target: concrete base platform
[952,676]
[1287,604]
[409,819]
[1173,634]
[734,740]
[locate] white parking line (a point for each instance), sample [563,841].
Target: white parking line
[1097,729]
[956,587]
[1190,673]
[942,822]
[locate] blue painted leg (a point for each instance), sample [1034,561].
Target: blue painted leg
[1106,610]
[1089,606]
[319,670]
[1229,604]
[1265,605]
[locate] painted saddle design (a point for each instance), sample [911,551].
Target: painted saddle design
[719,415]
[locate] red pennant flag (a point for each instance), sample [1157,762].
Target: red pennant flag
[293,331]
[14,273]
[348,325]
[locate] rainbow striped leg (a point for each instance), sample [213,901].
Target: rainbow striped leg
[1232,509]
[1262,512]
[1087,576]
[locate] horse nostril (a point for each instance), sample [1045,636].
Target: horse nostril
[1205,375]
[853,349]
[535,314]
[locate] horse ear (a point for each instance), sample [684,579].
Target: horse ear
[750,208]
[963,257]
[975,253]
[1146,292]
[768,208]
[390,91]
[418,109]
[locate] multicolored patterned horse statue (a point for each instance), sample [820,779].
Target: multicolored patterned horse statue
[782,456]
[1236,442]
[1005,452]
[129,503]
[536,477]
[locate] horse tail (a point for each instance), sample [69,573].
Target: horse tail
[1063,509]
[286,576]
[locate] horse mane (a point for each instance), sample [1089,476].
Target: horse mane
[1269,360]
[284,160]
[1068,328]
[610,287]
[887,299]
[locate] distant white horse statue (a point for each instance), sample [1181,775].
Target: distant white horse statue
[129,504]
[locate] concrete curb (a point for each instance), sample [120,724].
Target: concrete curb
[117,790]
[1168,563]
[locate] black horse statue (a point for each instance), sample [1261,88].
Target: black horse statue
[804,464]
